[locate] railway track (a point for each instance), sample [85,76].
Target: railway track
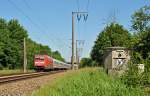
[11,78]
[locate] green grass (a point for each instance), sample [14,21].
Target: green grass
[87,82]
[10,72]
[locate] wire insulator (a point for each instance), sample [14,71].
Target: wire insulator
[85,17]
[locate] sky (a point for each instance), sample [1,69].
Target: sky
[49,22]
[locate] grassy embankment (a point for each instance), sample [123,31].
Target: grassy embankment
[10,72]
[87,82]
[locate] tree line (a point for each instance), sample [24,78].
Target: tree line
[114,34]
[12,35]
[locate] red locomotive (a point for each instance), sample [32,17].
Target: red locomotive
[42,62]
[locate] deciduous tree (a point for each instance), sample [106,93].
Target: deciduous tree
[112,35]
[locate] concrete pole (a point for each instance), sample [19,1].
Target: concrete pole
[25,58]
[72,40]
[73,13]
[76,51]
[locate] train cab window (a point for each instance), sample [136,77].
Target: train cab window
[39,58]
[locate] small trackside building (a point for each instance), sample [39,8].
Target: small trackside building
[116,58]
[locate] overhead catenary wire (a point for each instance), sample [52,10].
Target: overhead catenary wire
[84,15]
[61,46]
[26,3]
[43,25]
[85,23]
[78,5]
[46,27]
[26,16]
[87,7]
[22,12]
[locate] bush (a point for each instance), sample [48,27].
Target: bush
[134,78]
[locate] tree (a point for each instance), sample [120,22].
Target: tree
[4,39]
[141,19]
[17,35]
[11,46]
[57,55]
[34,48]
[141,25]
[87,62]
[101,43]
[140,43]
[113,35]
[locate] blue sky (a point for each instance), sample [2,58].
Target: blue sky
[50,22]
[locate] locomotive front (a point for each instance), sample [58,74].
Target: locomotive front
[39,62]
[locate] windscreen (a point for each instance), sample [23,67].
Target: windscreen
[39,58]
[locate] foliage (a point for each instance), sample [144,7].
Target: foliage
[141,19]
[142,47]
[141,51]
[87,82]
[113,35]
[141,25]
[87,62]
[57,55]
[12,34]
[133,77]
[11,45]
[34,48]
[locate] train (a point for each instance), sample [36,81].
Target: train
[45,62]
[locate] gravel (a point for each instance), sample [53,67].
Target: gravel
[27,86]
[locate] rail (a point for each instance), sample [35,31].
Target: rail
[7,79]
